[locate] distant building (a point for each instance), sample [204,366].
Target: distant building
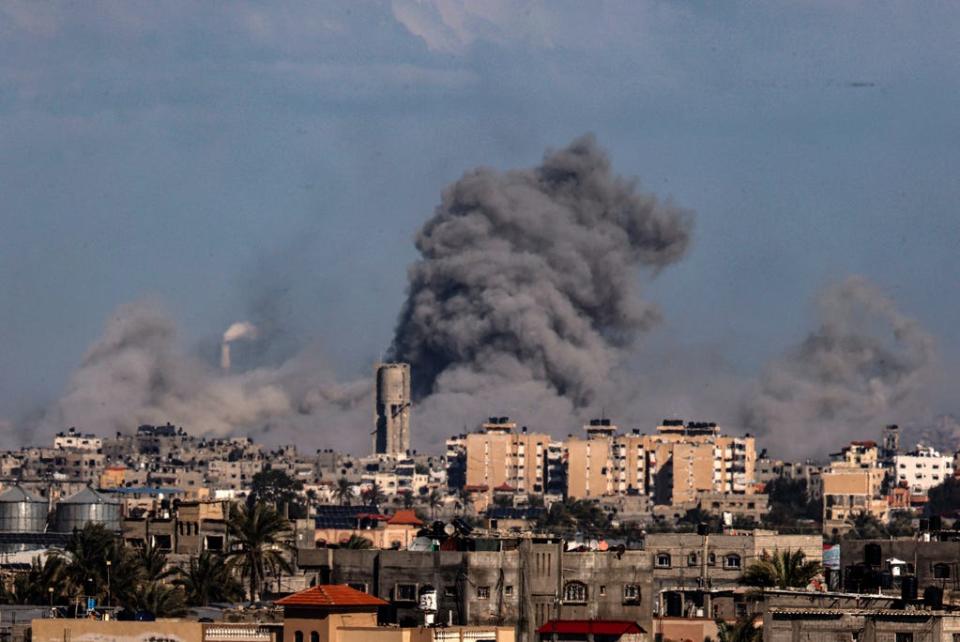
[501,458]
[672,466]
[852,486]
[922,468]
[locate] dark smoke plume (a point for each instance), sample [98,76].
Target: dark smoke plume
[528,277]
[865,365]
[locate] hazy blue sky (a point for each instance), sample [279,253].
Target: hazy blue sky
[202,153]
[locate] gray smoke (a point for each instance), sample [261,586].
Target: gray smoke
[866,365]
[136,373]
[529,278]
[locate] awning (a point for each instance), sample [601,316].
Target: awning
[587,627]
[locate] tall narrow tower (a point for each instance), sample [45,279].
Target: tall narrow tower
[391,434]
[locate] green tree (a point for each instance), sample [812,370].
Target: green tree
[784,569]
[154,563]
[374,495]
[743,630]
[278,489]
[435,502]
[945,498]
[260,537]
[343,491]
[357,542]
[790,504]
[866,526]
[208,579]
[33,587]
[160,599]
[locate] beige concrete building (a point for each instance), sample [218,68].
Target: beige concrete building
[852,486]
[501,457]
[674,466]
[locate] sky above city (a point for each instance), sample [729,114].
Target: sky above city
[218,159]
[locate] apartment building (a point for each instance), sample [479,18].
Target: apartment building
[852,486]
[500,457]
[673,466]
[922,468]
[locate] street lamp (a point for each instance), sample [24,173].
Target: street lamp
[109,600]
[50,591]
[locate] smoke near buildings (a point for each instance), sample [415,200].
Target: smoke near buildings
[524,301]
[866,364]
[531,276]
[137,373]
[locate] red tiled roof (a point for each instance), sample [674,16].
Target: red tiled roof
[505,487]
[331,595]
[405,517]
[596,627]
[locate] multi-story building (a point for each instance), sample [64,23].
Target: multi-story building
[74,440]
[501,457]
[672,466]
[852,486]
[922,468]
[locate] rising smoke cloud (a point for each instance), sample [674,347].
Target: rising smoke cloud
[527,283]
[136,373]
[866,365]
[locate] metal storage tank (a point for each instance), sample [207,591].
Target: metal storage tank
[21,512]
[87,506]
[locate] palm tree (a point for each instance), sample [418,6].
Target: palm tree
[344,491]
[356,542]
[743,630]
[260,540]
[162,600]
[375,495]
[33,587]
[434,501]
[154,563]
[208,579]
[786,569]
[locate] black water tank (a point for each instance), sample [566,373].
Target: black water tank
[886,580]
[936,523]
[703,529]
[933,597]
[908,588]
[872,555]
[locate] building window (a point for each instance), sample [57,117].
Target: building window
[575,592]
[405,593]
[731,561]
[483,592]
[941,571]
[904,636]
[298,636]
[508,590]
[692,559]
[450,591]
[662,560]
[631,594]
[603,590]
[712,559]
[314,636]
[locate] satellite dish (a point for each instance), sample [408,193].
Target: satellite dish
[449,530]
